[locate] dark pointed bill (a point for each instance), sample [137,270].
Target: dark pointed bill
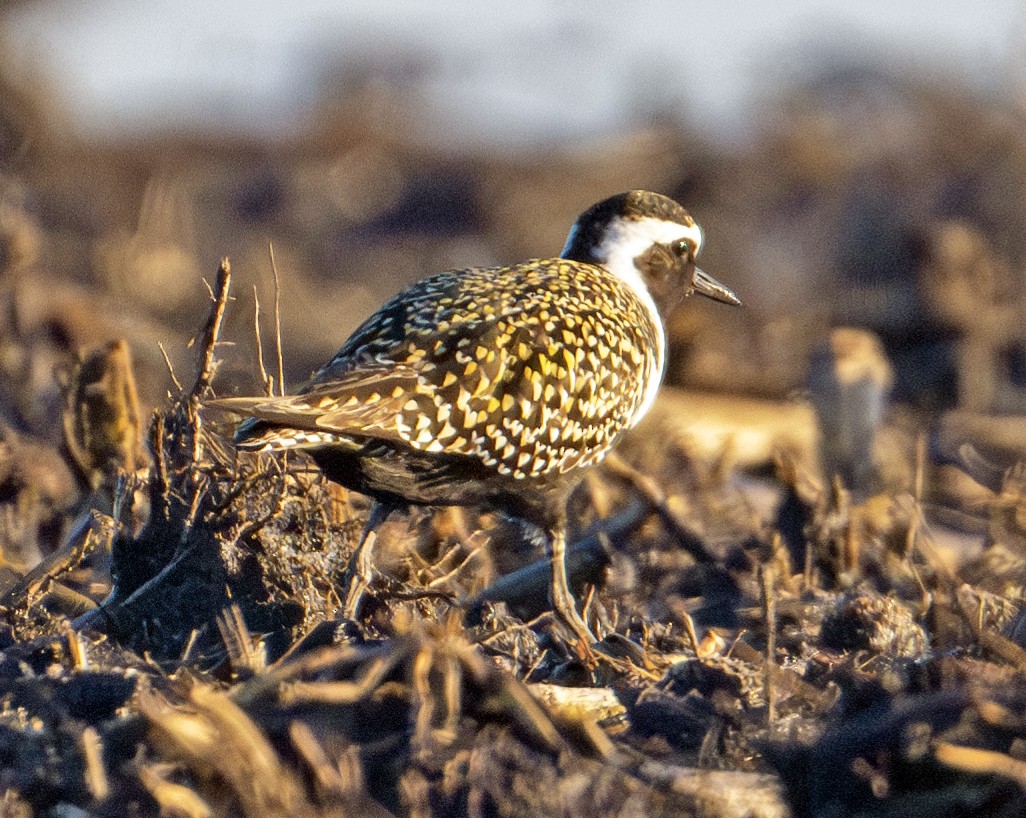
[708,286]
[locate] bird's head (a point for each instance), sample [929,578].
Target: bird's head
[646,239]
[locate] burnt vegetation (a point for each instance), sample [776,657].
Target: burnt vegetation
[808,606]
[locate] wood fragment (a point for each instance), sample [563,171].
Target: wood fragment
[101,421]
[96,531]
[980,761]
[95,771]
[721,793]
[210,334]
[597,703]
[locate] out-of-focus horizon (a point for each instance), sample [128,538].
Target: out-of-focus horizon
[855,166]
[530,74]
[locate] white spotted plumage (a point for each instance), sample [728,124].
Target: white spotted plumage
[532,370]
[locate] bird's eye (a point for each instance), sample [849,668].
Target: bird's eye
[684,248]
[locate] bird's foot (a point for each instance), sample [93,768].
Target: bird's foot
[565,608]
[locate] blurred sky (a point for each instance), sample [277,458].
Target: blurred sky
[516,74]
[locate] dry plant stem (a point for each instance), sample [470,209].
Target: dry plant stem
[277,321]
[213,735]
[259,346]
[689,630]
[190,643]
[162,498]
[993,643]
[293,665]
[123,501]
[423,704]
[456,570]
[95,771]
[211,331]
[311,751]
[76,650]
[769,615]
[656,498]
[920,471]
[172,799]
[170,369]
[238,641]
[185,415]
[156,581]
[200,485]
[918,482]
[808,580]
[59,562]
[342,692]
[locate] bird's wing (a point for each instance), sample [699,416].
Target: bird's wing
[360,400]
[519,367]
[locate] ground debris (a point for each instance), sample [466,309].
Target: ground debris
[740,671]
[774,642]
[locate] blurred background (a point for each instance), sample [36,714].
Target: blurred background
[859,164]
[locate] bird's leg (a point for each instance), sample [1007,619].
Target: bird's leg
[360,569]
[562,599]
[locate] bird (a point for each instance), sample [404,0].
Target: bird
[495,387]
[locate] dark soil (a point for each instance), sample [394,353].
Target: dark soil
[774,642]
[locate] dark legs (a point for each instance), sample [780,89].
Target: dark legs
[563,604]
[545,510]
[360,570]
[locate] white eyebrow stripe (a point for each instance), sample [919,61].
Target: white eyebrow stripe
[632,237]
[627,235]
[626,239]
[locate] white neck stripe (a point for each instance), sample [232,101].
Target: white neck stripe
[626,239]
